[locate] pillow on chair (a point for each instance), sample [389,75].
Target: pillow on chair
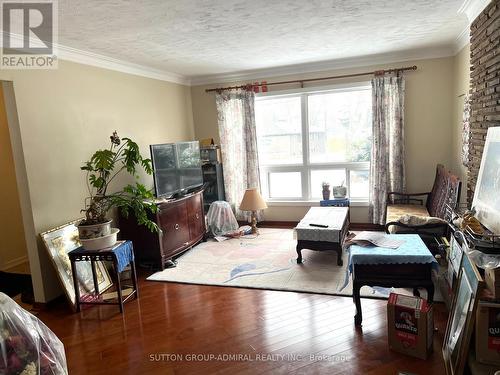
[420,220]
[415,221]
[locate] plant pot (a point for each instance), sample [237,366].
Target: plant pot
[339,191]
[86,232]
[326,194]
[101,242]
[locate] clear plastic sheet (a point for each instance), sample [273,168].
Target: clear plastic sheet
[27,346]
[221,219]
[483,260]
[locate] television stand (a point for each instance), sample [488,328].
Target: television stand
[182,224]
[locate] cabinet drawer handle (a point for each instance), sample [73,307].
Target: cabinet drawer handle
[176,226]
[197,216]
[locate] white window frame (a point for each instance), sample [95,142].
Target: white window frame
[306,166]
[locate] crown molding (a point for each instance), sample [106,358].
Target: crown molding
[472,8]
[313,67]
[63,52]
[461,40]
[106,62]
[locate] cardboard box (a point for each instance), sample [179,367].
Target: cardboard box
[492,278]
[410,325]
[488,333]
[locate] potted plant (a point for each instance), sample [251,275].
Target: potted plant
[326,190]
[104,166]
[339,191]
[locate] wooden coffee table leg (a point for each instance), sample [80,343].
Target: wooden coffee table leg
[299,254]
[340,262]
[358,318]
[430,292]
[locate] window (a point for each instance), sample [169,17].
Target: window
[307,138]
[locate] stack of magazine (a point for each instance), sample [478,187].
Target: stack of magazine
[375,238]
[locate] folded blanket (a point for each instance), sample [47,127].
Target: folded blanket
[420,220]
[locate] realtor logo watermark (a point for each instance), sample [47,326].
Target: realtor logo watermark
[29,34]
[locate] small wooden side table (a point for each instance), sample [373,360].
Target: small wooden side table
[408,266]
[321,239]
[121,255]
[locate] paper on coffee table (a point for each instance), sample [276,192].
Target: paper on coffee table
[376,238]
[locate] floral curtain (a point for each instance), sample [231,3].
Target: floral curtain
[387,170]
[236,117]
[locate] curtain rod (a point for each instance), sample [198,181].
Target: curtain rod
[301,81]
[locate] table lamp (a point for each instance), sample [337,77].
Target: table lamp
[253,201]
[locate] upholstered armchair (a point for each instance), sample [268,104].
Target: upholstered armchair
[428,210]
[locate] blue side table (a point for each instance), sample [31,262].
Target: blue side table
[121,255]
[340,202]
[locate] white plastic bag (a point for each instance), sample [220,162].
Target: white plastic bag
[221,219]
[27,346]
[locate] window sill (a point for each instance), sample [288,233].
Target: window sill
[272,203]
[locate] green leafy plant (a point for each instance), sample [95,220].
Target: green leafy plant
[102,168]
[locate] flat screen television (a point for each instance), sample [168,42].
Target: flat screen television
[176,168]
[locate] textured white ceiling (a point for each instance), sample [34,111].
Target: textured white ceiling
[203,37]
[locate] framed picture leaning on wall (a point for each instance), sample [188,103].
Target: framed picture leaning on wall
[462,317]
[59,242]
[455,256]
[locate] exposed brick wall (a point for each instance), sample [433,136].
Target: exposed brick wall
[485,85]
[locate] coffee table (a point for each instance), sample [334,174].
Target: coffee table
[322,239]
[408,266]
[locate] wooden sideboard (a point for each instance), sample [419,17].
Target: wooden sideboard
[182,224]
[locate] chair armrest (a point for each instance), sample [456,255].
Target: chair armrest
[406,198]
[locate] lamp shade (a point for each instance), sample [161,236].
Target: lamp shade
[252,201]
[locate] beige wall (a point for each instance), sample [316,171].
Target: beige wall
[428,129]
[68,113]
[461,81]
[13,247]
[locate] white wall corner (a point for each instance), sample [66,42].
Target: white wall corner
[472,8]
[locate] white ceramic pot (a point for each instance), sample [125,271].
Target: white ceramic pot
[339,191]
[100,242]
[86,232]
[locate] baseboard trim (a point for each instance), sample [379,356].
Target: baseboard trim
[14,263]
[278,224]
[366,226]
[44,306]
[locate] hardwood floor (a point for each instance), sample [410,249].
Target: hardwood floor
[293,333]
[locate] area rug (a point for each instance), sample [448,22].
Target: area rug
[266,261]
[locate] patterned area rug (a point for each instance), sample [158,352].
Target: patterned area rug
[267,261]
